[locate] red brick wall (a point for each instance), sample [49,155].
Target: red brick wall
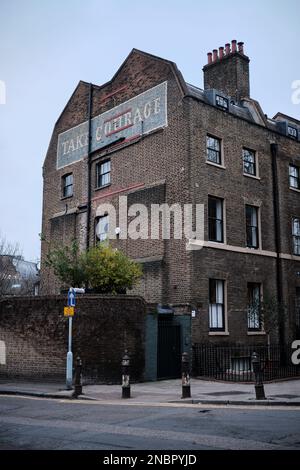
[35,333]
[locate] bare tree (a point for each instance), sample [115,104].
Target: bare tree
[266,314]
[8,272]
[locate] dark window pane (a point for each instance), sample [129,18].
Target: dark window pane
[102,227]
[213,148]
[254,306]
[294,174]
[252,226]
[215,219]
[216,305]
[67,185]
[296,235]
[292,132]
[103,174]
[222,102]
[249,162]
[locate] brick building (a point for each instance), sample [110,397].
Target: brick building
[148,135]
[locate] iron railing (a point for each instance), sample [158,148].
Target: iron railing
[233,363]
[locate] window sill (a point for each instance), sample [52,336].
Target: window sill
[252,176]
[66,197]
[295,189]
[102,187]
[216,165]
[253,333]
[218,333]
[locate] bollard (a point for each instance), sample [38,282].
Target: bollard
[125,376]
[259,386]
[185,376]
[78,378]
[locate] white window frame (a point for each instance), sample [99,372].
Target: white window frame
[65,186]
[250,175]
[211,162]
[258,217]
[297,177]
[213,330]
[103,223]
[258,318]
[296,235]
[223,219]
[100,166]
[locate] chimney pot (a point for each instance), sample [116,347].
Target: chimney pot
[221,52]
[227,48]
[233,45]
[241,47]
[209,57]
[215,54]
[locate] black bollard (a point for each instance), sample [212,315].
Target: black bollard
[259,386]
[185,376]
[78,378]
[125,376]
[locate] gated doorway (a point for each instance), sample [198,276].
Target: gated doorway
[168,349]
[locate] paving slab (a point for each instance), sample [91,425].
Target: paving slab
[167,391]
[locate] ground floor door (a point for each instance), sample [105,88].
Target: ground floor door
[168,349]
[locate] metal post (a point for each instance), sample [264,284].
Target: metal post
[78,378]
[185,376]
[125,376]
[259,386]
[69,379]
[71,303]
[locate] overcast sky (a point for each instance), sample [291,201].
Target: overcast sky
[47,46]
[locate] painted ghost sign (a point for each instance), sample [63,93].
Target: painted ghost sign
[139,115]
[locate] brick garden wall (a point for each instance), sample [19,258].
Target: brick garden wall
[34,334]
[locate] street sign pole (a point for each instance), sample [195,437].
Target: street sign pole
[70,312]
[69,377]
[70,358]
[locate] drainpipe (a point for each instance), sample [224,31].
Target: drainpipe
[274,153]
[89,163]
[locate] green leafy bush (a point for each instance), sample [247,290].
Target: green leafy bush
[102,268]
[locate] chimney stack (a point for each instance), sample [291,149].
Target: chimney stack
[228,72]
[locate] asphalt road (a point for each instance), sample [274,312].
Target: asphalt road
[39,424]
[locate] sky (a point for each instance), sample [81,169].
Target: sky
[47,46]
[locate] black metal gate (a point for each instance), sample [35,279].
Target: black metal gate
[168,350]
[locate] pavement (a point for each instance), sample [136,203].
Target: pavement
[282,393]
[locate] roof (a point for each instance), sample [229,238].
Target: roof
[248,109]
[200,95]
[17,265]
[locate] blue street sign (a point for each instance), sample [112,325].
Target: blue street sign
[71,297]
